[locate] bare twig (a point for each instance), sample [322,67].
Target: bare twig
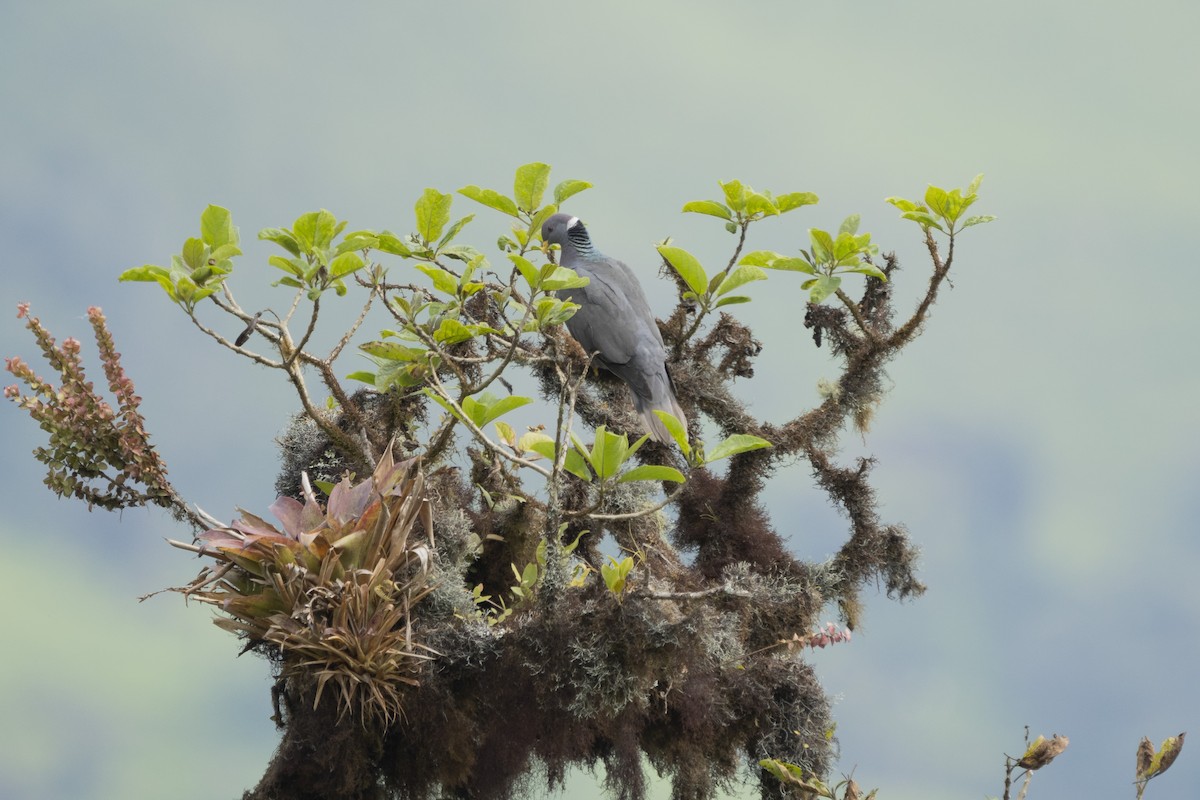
[725,589]
[337,349]
[856,312]
[666,501]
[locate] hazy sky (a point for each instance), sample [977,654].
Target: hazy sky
[1039,441]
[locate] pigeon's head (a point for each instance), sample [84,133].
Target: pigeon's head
[563,228]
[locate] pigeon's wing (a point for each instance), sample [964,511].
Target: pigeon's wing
[609,319]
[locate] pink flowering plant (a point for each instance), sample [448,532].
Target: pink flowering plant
[96,453]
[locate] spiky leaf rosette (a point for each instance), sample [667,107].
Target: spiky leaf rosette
[334,589]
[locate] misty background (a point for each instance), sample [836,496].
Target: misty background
[1040,440]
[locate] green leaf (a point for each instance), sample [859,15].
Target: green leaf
[787,202]
[822,245]
[608,453]
[710,207]
[568,188]
[289,265]
[454,230]
[824,287]
[974,187]
[792,264]
[612,456]
[503,406]
[490,198]
[543,445]
[964,202]
[551,311]
[977,220]
[850,225]
[314,230]
[652,472]
[733,299]
[528,271]
[955,205]
[443,281]
[392,351]
[363,376]
[759,258]
[575,464]
[432,212]
[345,264]
[633,448]
[545,213]
[466,253]
[359,240]
[281,237]
[615,574]
[687,266]
[451,331]
[529,185]
[867,269]
[486,408]
[758,203]
[845,246]
[400,373]
[904,205]
[737,443]
[224,253]
[735,195]
[507,434]
[216,227]
[938,201]
[390,243]
[148,272]
[193,253]
[924,218]
[676,429]
[740,277]
[561,278]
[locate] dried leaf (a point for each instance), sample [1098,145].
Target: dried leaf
[1043,751]
[1169,752]
[1145,755]
[1162,760]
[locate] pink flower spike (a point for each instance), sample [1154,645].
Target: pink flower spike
[22,309]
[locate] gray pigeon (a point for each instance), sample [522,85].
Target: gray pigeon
[614,321]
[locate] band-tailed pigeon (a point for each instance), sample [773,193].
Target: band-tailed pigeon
[614,321]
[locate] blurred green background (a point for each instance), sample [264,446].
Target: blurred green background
[1040,440]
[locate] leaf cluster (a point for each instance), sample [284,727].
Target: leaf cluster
[201,267]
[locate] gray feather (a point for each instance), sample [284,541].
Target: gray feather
[614,321]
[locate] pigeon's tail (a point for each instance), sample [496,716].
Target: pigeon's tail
[654,426]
